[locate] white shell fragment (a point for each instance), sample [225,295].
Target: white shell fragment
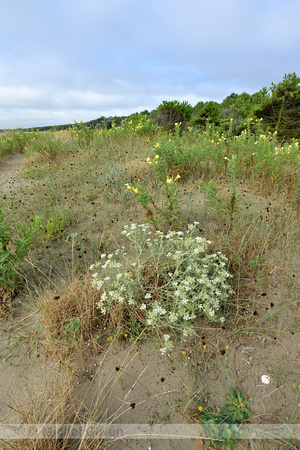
[265,379]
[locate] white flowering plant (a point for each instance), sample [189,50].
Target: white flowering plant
[166,282]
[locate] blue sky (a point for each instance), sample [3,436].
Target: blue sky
[68,59]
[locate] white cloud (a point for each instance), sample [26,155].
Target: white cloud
[98,58]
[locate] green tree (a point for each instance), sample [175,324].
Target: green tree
[280,109]
[210,112]
[170,112]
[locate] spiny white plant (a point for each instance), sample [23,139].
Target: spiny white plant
[167,282]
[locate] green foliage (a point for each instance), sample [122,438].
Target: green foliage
[210,112]
[83,133]
[140,125]
[220,427]
[168,280]
[14,247]
[14,141]
[236,410]
[168,215]
[47,144]
[72,329]
[280,110]
[171,112]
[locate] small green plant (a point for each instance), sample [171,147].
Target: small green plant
[235,409]
[218,203]
[167,281]
[220,426]
[72,329]
[166,216]
[14,247]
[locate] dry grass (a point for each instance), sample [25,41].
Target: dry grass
[69,318]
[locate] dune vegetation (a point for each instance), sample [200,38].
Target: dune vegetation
[178,240]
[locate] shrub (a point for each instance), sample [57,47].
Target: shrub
[48,145]
[83,134]
[14,141]
[169,280]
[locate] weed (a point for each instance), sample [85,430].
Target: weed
[220,425]
[14,247]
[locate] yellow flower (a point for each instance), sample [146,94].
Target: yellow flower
[227,347]
[169,180]
[125,335]
[127,186]
[135,190]
[157,145]
[200,408]
[156,156]
[178,176]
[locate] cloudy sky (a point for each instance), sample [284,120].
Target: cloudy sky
[81,59]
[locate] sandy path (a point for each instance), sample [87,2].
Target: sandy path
[9,169]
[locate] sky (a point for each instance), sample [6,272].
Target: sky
[66,60]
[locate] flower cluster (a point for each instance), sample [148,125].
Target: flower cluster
[167,283]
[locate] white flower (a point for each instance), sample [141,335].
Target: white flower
[148,295]
[106,278]
[143,306]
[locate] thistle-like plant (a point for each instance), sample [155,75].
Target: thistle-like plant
[166,282]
